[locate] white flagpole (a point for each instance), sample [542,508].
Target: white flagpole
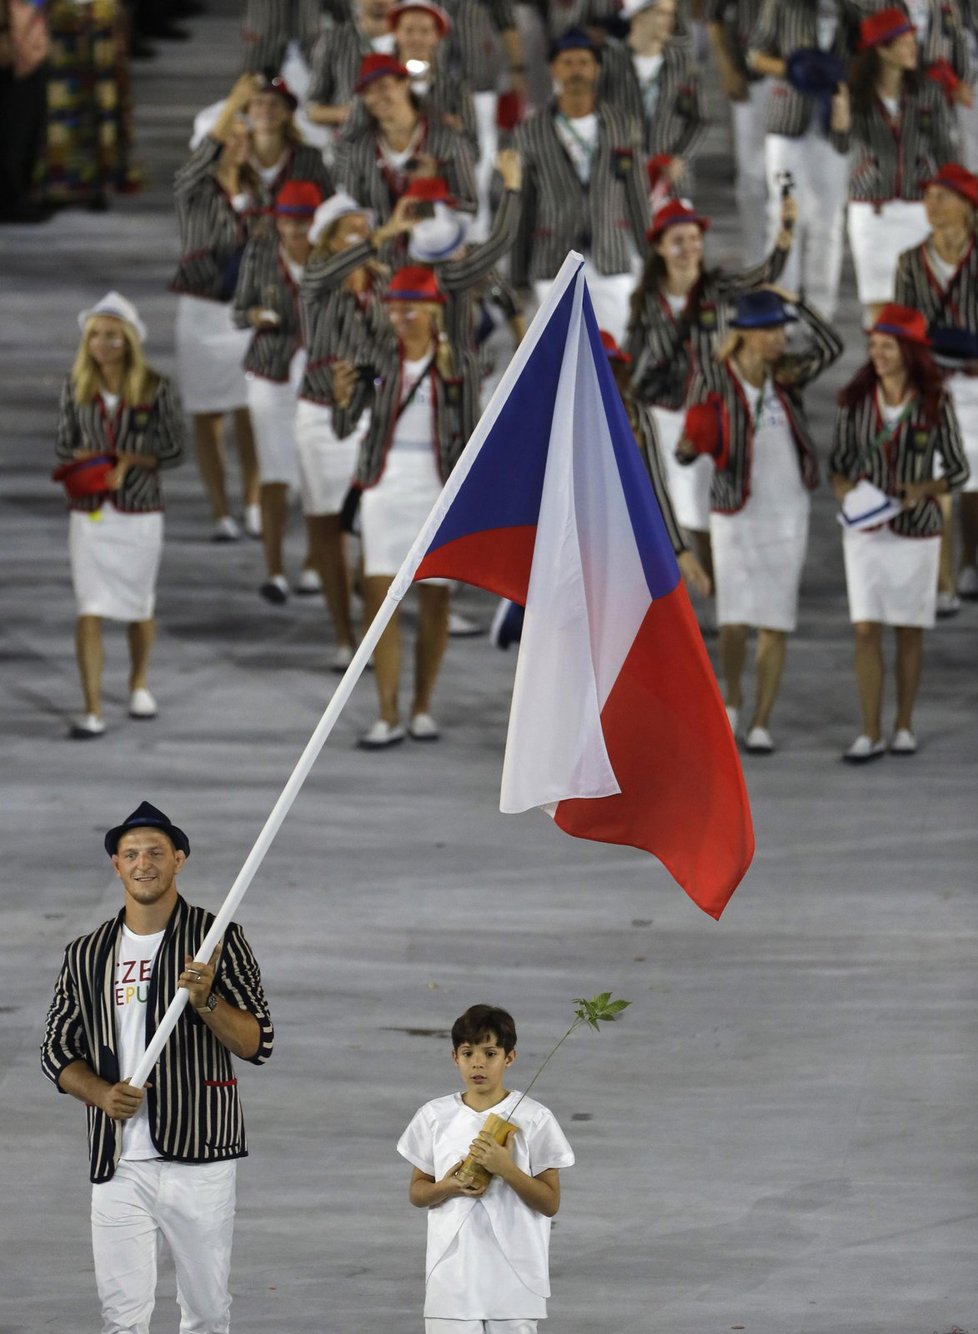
[401,584]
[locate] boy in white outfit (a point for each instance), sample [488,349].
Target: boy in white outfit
[487,1269]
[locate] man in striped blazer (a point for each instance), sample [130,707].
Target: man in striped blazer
[163,1156]
[583,187]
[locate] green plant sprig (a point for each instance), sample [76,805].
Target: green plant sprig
[600,1009]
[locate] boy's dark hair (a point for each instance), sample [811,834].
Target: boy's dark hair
[479,1022]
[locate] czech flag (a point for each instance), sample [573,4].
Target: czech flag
[617,728]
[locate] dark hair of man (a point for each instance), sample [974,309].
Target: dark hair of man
[482,1023]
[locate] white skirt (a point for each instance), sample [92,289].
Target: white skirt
[964,395]
[210,353]
[326,462]
[115,559]
[757,567]
[272,407]
[891,580]
[877,239]
[689,486]
[392,512]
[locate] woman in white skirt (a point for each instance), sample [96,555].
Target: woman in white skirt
[894,422]
[414,441]
[752,424]
[940,279]
[114,405]
[344,319]
[217,200]
[901,132]
[678,315]
[266,300]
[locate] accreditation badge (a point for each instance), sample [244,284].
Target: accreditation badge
[708,318]
[919,439]
[624,162]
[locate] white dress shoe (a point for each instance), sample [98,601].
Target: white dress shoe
[380,735]
[948,605]
[142,704]
[87,726]
[903,743]
[309,583]
[424,728]
[758,741]
[460,627]
[225,530]
[252,520]
[864,749]
[968,582]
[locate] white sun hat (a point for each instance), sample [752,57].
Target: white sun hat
[114,303]
[438,237]
[336,206]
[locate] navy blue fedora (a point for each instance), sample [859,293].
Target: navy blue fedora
[762,309]
[574,39]
[147,816]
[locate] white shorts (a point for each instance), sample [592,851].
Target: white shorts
[757,570]
[190,1206]
[210,352]
[689,485]
[878,238]
[272,407]
[115,559]
[393,511]
[326,462]
[964,395]
[891,580]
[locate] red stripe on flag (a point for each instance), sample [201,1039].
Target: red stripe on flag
[683,796]
[497,559]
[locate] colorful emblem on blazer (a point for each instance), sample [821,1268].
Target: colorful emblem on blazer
[624,159]
[140,418]
[920,438]
[708,317]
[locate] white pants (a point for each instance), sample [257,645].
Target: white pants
[191,1207]
[480,1327]
[610,293]
[486,108]
[749,122]
[821,183]
[878,235]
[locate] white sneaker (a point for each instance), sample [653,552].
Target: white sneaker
[142,704]
[460,627]
[380,735]
[948,605]
[252,520]
[968,582]
[87,726]
[733,718]
[864,749]
[309,583]
[424,728]
[341,659]
[903,742]
[225,530]
[275,589]
[758,741]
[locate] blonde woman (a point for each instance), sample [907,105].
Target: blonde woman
[113,404]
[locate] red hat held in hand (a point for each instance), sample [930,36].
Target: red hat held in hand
[902,322]
[414,283]
[613,350]
[374,67]
[706,429]
[298,199]
[952,176]
[883,27]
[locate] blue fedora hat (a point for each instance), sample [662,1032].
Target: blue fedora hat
[574,39]
[761,310]
[147,816]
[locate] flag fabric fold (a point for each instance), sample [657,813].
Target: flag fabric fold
[617,727]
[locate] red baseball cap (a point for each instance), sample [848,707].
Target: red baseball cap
[395,13]
[952,176]
[883,27]
[902,322]
[671,214]
[298,199]
[414,283]
[377,66]
[613,350]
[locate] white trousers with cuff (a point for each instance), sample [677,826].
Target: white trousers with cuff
[480,1326]
[749,124]
[190,1206]
[821,179]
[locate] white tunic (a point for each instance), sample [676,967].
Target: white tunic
[487,1258]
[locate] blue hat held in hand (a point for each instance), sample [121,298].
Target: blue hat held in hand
[762,309]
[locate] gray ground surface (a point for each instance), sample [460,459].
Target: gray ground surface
[780,1135]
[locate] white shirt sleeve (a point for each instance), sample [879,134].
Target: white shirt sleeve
[417,1143]
[547,1144]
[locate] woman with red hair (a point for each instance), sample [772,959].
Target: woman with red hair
[894,421]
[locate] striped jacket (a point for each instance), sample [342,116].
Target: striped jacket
[893,160]
[269,26]
[678,122]
[335,64]
[731,484]
[561,214]
[454,403]
[212,230]
[918,285]
[194,1111]
[782,29]
[338,325]
[666,349]
[860,448]
[473,43]
[739,17]
[646,437]
[360,170]
[154,427]
[265,281]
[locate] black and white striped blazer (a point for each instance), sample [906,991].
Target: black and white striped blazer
[783,29]
[739,18]
[665,349]
[269,26]
[861,448]
[679,121]
[731,486]
[302,163]
[561,214]
[561,15]
[360,172]
[893,159]
[212,230]
[473,43]
[917,285]
[266,282]
[335,64]
[338,325]
[192,1099]
[154,427]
